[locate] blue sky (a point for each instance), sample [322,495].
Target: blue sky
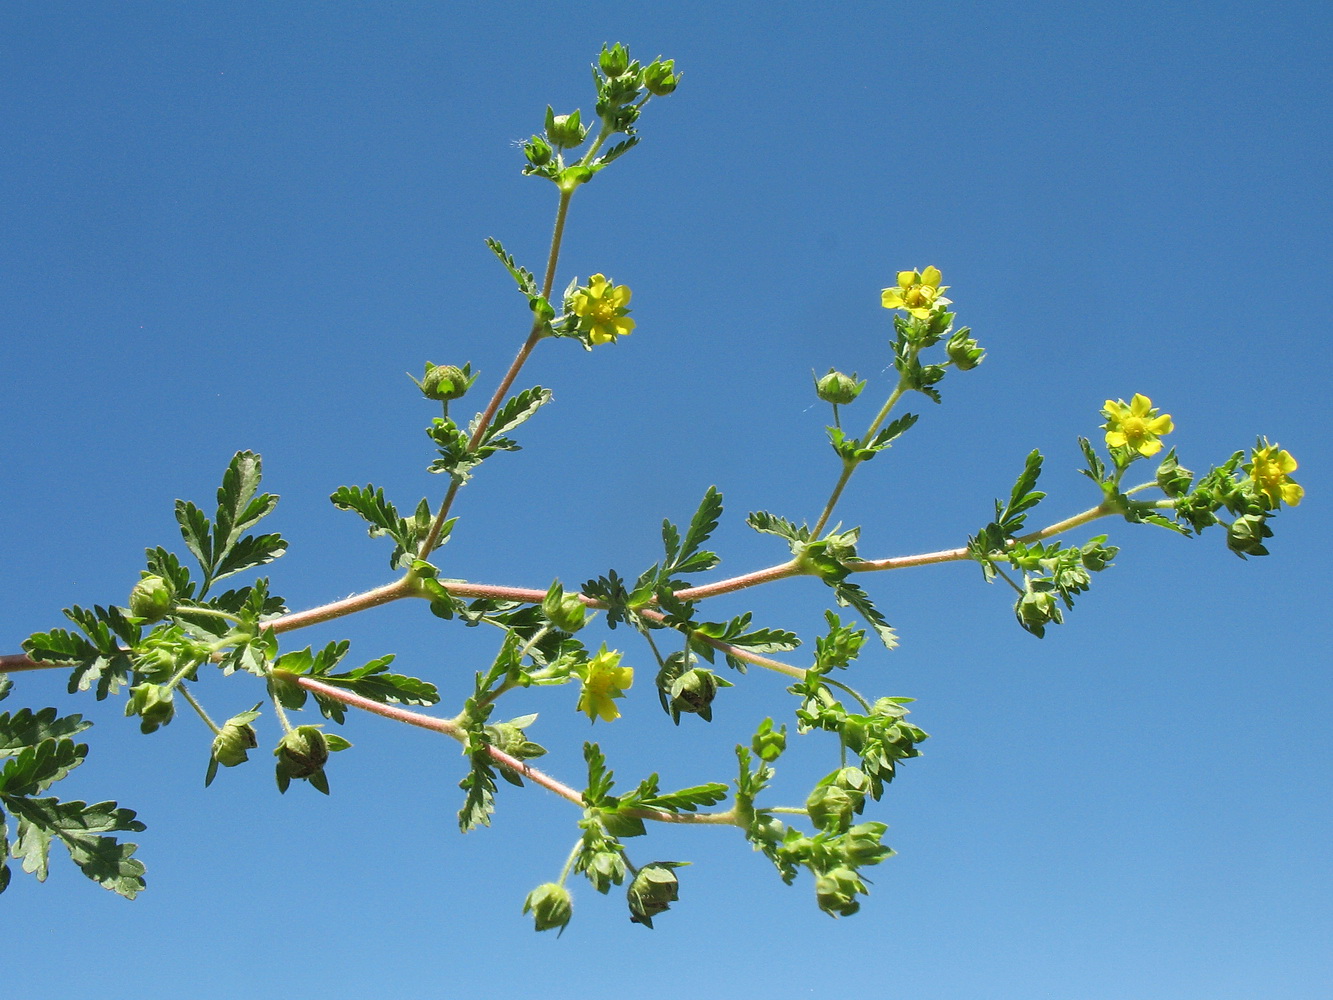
[236,225]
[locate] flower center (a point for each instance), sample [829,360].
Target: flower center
[1134,427]
[603,312]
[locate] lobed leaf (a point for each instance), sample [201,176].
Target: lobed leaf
[82,829]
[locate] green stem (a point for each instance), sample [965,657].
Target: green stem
[200,709]
[534,335]
[849,465]
[569,862]
[843,687]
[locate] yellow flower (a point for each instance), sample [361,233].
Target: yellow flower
[919,292]
[604,680]
[1136,426]
[601,310]
[1271,471]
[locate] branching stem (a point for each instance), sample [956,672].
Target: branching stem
[15,662]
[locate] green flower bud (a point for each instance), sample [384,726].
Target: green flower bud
[538,151]
[152,703]
[151,598]
[963,351]
[1096,556]
[1246,535]
[653,891]
[660,77]
[768,744]
[445,382]
[1037,607]
[830,807]
[836,892]
[511,738]
[551,907]
[231,746]
[614,61]
[564,131]
[1173,478]
[861,844]
[302,753]
[837,388]
[693,692]
[565,611]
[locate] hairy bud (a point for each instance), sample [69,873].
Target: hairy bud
[838,388]
[660,78]
[151,598]
[551,907]
[836,891]
[152,703]
[653,890]
[445,382]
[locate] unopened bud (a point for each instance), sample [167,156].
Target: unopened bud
[231,745]
[694,691]
[963,351]
[836,892]
[444,382]
[152,703]
[151,599]
[837,388]
[538,151]
[564,131]
[550,906]
[830,808]
[614,61]
[566,612]
[653,890]
[302,753]
[660,78]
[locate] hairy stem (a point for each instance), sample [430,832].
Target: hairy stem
[487,415]
[508,762]
[15,662]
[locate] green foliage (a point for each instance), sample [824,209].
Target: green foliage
[384,520]
[174,626]
[36,752]
[372,680]
[221,546]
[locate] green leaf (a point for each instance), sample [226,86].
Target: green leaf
[249,552]
[850,595]
[702,525]
[373,682]
[516,410]
[481,788]
[771,524]
[647,796]
[34,769]
[369,502]
[26,728]
[526,281]
[81,828]
[166,565]
[1022,498]
[600,779]
[617,151]
[894,430]
[196,531]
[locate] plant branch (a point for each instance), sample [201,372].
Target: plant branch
[508,762]
[16,662]
[487,415]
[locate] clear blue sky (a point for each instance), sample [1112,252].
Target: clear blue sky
[236,225]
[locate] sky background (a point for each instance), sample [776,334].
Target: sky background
[236,225]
